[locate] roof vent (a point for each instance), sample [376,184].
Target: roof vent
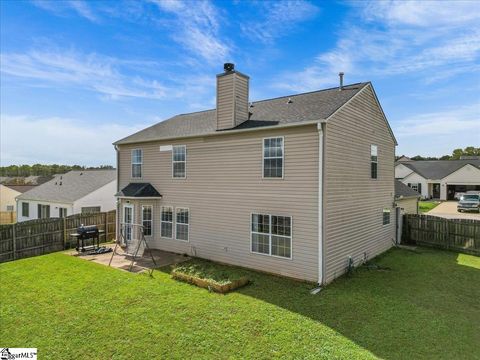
[340,74]
[60,183]
[228,67]
[81,174]
[289,101]
[251,104]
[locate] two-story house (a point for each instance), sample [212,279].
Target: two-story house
[295,185]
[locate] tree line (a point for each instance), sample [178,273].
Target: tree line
[44,170]
[456,154]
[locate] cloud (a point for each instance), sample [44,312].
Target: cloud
[60,8]
[29,140]
[196,28]
[102,74]
[279,18]
[385,42]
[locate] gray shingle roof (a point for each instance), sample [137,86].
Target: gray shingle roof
[438,169]
[74,185]
[402,190]
[139,190]
[315,105]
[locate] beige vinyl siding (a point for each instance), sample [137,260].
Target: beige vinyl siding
[224,186]
[353,202]
[225,101]
[408,205]
[241,99]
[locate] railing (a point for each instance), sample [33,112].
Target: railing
[43,236]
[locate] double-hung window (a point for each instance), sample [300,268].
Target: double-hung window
[373,161]
[62,212]
[147,219]
[273,160]
[182,223]
[386,216]
[43,211]
[137,162]
[179,161]
[25,209]
[166,226]
[271,235]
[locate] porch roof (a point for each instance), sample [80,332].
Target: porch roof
[139,190]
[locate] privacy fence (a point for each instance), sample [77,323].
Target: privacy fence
[462,235]
[8,217]
[43,236]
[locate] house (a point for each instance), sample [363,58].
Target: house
[67,194]
[439,179]
[406,198]
[295,185]
[8,205]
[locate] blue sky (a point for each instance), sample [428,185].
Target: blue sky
[99,70]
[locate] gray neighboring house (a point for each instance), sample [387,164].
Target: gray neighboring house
[295,185]
[406,198]
[67,194]
[439,179]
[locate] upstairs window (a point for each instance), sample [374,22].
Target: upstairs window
[386,216]
[147,219]
[373,161]
[25,209]
[271,235]
[137,162]
[273,157]
[179,161]
[166,227]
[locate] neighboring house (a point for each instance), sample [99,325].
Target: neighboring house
[294,185]
[67,194]
[8,205]
[406,198]
[439,179]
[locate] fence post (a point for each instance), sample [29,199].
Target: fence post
[14,239]
[64,233]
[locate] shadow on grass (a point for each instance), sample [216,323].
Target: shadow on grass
[426,306]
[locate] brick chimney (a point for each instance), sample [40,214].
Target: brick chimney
[232,98]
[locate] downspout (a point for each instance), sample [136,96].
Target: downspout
[320,202]
[118,189]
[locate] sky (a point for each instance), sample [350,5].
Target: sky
[78,75]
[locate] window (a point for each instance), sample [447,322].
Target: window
[386,216]
[147,219]
[416,187]
[166,222]
[91,209]
[43,211]
[10,208]
[373,161]
[273,157]
[62,212]
[137,161]
[182,220]
[25,209]
[271,235]
[179,160]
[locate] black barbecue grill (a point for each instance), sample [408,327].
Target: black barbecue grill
[84,233]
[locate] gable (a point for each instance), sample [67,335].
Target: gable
[413,178]
[467,174]
[401,171]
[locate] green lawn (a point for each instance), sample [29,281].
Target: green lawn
[426,306]
[424,206]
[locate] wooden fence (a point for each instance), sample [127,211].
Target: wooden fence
[43,236]
[462,235]
[8,217]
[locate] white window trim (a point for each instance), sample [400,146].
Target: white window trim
[151,220]
[414,186]
[283,158]
[28,209]
[131,206]
[371,162]
[173,162]
[188,225]
[132,163]
[270,236]
[384,210]
[168,222]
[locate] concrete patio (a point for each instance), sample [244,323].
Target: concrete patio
[123,261]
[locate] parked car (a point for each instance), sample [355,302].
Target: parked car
[458,195]
[469,202]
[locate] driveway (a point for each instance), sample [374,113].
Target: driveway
[448,209]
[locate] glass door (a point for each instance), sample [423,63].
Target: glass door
[127,222]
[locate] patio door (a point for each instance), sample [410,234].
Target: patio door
[127,222]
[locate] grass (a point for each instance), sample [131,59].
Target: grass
[424,206]
[426,306]
[210,271]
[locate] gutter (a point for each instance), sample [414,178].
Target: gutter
[224,132]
